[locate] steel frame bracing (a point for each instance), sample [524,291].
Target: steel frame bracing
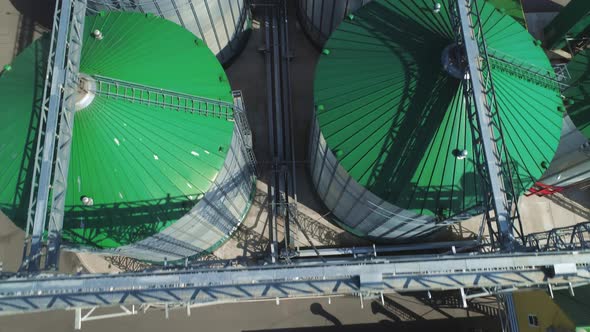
[486,125]
[54,136]
[64,139]
[365,274]
[576,237]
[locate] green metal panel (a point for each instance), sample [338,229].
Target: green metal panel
[143,166]
[572,21]
[579,92]
[513,8]
[577,307]
[394,118]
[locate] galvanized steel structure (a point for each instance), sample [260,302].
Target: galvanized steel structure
[222,24]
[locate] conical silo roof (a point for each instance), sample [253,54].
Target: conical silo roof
[396,121]
[144,166]
[578,92]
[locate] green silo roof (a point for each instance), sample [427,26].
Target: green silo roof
[513,8]
[579,91]
[395,119]
[143,166]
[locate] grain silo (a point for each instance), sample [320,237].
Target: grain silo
[223,25]
[391,148]
[320,17]
[154,174]
[571,163]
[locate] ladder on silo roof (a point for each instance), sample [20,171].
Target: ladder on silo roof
[490,148]
[138,93]
[526,71]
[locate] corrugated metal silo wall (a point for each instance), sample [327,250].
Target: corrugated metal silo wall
[358,210]
[209,223]
[222,24]
[571,163]
[320,17]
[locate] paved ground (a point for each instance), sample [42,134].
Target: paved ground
[400,313]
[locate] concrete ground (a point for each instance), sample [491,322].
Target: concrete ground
[400,313]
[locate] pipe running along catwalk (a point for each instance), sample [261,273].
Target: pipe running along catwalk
[281,186]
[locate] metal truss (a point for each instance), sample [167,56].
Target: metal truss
[516,67]
[484,114]
[64,138]
[54,135]
[244,129]
[562,75]
[576,237]
[341,277]
[142,94]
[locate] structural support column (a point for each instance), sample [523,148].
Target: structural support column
[54,137]
[485,108]
[64,139]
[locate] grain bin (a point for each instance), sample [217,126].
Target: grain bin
[391,149]
[145,180]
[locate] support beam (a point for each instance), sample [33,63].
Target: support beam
[55,78]
[58,95]
[486,113]
[80,317]
[64,140]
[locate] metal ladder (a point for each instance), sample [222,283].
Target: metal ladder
[138,93]
[520,69]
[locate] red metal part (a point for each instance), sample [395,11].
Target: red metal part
[541,189]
